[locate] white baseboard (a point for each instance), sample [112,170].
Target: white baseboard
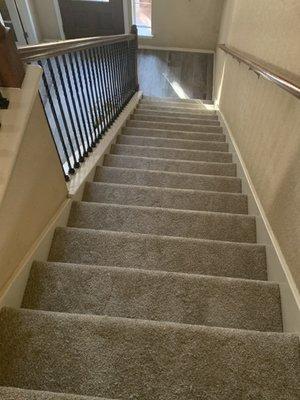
[180,49]
[12,293]
[278,269]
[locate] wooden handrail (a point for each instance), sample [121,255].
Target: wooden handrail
[47,50]
[281,78]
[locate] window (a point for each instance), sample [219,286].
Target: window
[142,16]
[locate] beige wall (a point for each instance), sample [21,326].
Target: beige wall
[185,23]
[35,192]
[264,119]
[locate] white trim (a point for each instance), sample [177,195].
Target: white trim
[146,47]
[59,20]
[126,16]
[15,19]
[12,293]
[27,21]
[278,269]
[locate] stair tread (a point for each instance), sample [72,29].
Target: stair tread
[194,145]
[164,221]
[170,165]
[159,118]
[169,179]
[185,199]
[23,394]
[172,153]
[154,132]
[179,114]
[103,352]
[145,294]
[168,253]
[176,126]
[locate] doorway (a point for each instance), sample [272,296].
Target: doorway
[87,18]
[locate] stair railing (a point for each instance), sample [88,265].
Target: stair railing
[281,78]
[86,83]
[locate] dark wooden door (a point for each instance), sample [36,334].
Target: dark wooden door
[86,18]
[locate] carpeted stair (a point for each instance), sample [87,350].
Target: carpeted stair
[156,289]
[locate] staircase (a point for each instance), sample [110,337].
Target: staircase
[157,288]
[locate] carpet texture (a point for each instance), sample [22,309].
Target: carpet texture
[156,289]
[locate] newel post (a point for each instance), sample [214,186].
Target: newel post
[12,70]
[134,31]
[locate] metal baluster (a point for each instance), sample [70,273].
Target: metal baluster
[76,161]
[77,77]
[97,91]
[100,101]
[70,112]
[118,68]
[102,90]
[113,69]
[105,83]
[75,107]
[85,101]
[91,88]
[110,81]
[58,127]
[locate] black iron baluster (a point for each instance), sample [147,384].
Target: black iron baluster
[85,103]
[102,90]
[75,107]
[91,89]
[115,64]
[77,79]
[57,123]
[99,106]
[100,102]
[89,97]
[120,73]
[70,112]
[65,123]
[114,80]
[106,80]
[110,77]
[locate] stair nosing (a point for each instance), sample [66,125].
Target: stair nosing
[174,173]
[166,209]
[148,119]
[159,272]
[162,237]
[173,130]
[219,163]
[166,188]
[153,323]
[173,139]
[175,124]
[176,149]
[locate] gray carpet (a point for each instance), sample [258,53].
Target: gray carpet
[156,289]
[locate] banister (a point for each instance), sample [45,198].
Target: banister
[12,70]
[47,50]
[279,77]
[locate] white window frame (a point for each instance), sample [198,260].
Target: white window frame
[134,18]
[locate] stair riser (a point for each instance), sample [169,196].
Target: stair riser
[212,226]
[100,355]
[173,120]
[166,198]
[171,143]
[158,179]
[173,104]
[159,253]
[176,114]
[170,165]
[145,295]
[209,137]
[162,100]
[171,154]
[174,109]
[21,394]
[179,127]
